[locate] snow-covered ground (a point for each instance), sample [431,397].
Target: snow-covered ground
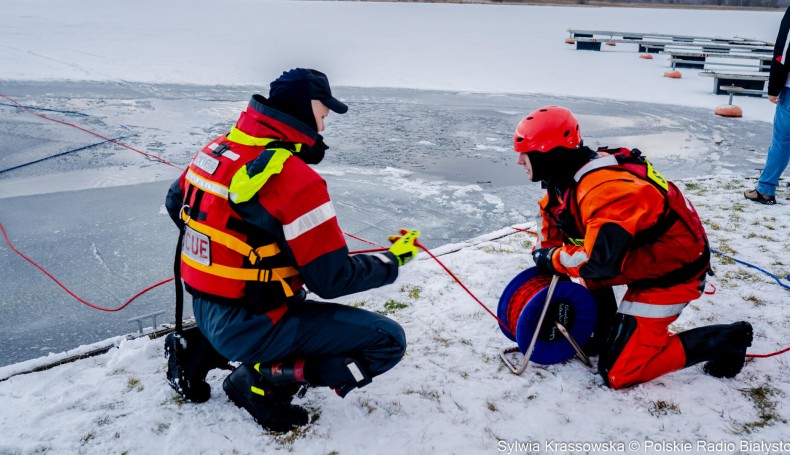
[451,394]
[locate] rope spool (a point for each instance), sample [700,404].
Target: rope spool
[521,303]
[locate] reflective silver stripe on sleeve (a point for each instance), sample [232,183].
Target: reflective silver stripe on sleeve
[573,260]
[382,257]
[649,310]
[597,163]
[207,185]
[309,220]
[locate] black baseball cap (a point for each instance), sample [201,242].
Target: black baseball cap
[314,82]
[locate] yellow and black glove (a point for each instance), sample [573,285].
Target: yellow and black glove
[403,245]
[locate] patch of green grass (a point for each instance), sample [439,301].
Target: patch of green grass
[491,249]
[491,406]
[412,291]
[739,277]
[756,301]
[357,304]
[661,408]
[692,186]
[731,186]
[725,248]
[287,439]
[391,306]
[441,340]
[135,384]
[432,395]
[765,403]
[713,226]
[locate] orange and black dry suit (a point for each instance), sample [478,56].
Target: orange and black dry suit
[619,222]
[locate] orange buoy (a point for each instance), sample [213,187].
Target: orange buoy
[647,56]
[729,110]
[570,41]
[611,43]
[673,74]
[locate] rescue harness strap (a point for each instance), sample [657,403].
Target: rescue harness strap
[253,254]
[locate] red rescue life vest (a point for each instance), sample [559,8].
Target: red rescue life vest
[677,209]
[222,257]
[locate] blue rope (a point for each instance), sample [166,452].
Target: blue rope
[60,154]
[755,267]
[44,109]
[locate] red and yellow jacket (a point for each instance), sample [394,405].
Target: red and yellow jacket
[258,222]
[621,222]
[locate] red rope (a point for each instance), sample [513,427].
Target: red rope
[762,356]
[164,161]
[457,280]
[365,241]
[522,297]
[524,230]
[8,241]
[114,141]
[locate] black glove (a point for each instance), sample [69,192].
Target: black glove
[542,258]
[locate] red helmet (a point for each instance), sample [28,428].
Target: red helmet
[545,129]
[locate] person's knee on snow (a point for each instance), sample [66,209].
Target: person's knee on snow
[639,350]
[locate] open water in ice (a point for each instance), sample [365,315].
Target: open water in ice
[440,162]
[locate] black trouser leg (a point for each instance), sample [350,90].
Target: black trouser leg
[606,305]
[623,327]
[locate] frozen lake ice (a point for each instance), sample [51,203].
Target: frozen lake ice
[440,162]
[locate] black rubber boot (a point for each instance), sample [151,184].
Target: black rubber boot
[189,359]
[723,346]
[269,405]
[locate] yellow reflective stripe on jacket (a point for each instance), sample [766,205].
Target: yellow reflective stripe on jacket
[223,238]
[236,273]
[243,187]
[207,185]
[240,137]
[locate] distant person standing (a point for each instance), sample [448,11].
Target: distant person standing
[779,94]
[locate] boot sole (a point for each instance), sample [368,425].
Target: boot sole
[729,373]
[176,376]
[174,373]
